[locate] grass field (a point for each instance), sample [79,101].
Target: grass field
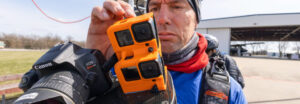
[13,62]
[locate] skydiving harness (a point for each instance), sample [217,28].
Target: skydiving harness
[215,86]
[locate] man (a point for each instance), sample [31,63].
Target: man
[183,49]
[231,66]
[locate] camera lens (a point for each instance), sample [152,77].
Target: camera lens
[150,69]
[124,38]
[142,31]
[63,86]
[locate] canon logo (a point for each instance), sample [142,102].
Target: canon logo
[43,66]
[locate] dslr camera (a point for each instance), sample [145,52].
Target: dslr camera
[135,74]
[66,74]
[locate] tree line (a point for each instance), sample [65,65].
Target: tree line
[13,40]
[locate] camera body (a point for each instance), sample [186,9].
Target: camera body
[66,73]
[69,74]
[140,66]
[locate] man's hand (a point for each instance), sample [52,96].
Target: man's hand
[101,19]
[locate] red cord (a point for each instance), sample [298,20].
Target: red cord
[57,20]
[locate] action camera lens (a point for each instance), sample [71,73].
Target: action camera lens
[124,38]
[150,69]
[142,32]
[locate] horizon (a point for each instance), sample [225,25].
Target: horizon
[22,17]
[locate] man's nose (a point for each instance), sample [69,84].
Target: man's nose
[163,16]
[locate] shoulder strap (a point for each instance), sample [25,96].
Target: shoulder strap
[233,70]
[215,85]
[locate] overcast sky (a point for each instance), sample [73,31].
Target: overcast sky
[21,16]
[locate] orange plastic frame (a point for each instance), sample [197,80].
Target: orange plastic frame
[140,53]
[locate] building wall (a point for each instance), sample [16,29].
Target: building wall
[288,19]
[223,35]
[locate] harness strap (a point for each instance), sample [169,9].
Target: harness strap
[215,87]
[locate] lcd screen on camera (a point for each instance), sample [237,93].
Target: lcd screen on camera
[142,31]
[130,73]
[124,38]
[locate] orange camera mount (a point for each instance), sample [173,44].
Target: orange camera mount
[136,44]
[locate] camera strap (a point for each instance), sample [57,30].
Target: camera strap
[110,63]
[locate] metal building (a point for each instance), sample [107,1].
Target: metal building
[259,27]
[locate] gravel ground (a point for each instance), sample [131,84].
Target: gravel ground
[270,81]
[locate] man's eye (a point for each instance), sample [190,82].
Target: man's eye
[153,9]
[177,7]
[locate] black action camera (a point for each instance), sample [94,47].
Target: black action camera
[66,74]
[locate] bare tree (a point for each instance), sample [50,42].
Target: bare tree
[34,41]
[282,46]
[266,48]
[260,49]
[253,48]
[297,47]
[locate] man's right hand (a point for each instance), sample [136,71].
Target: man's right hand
[101,19]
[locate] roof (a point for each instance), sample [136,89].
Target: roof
[250,16]
[277,33]
[255,20]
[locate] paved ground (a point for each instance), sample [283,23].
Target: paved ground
[271,81]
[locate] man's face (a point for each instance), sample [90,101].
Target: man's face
[175,21]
